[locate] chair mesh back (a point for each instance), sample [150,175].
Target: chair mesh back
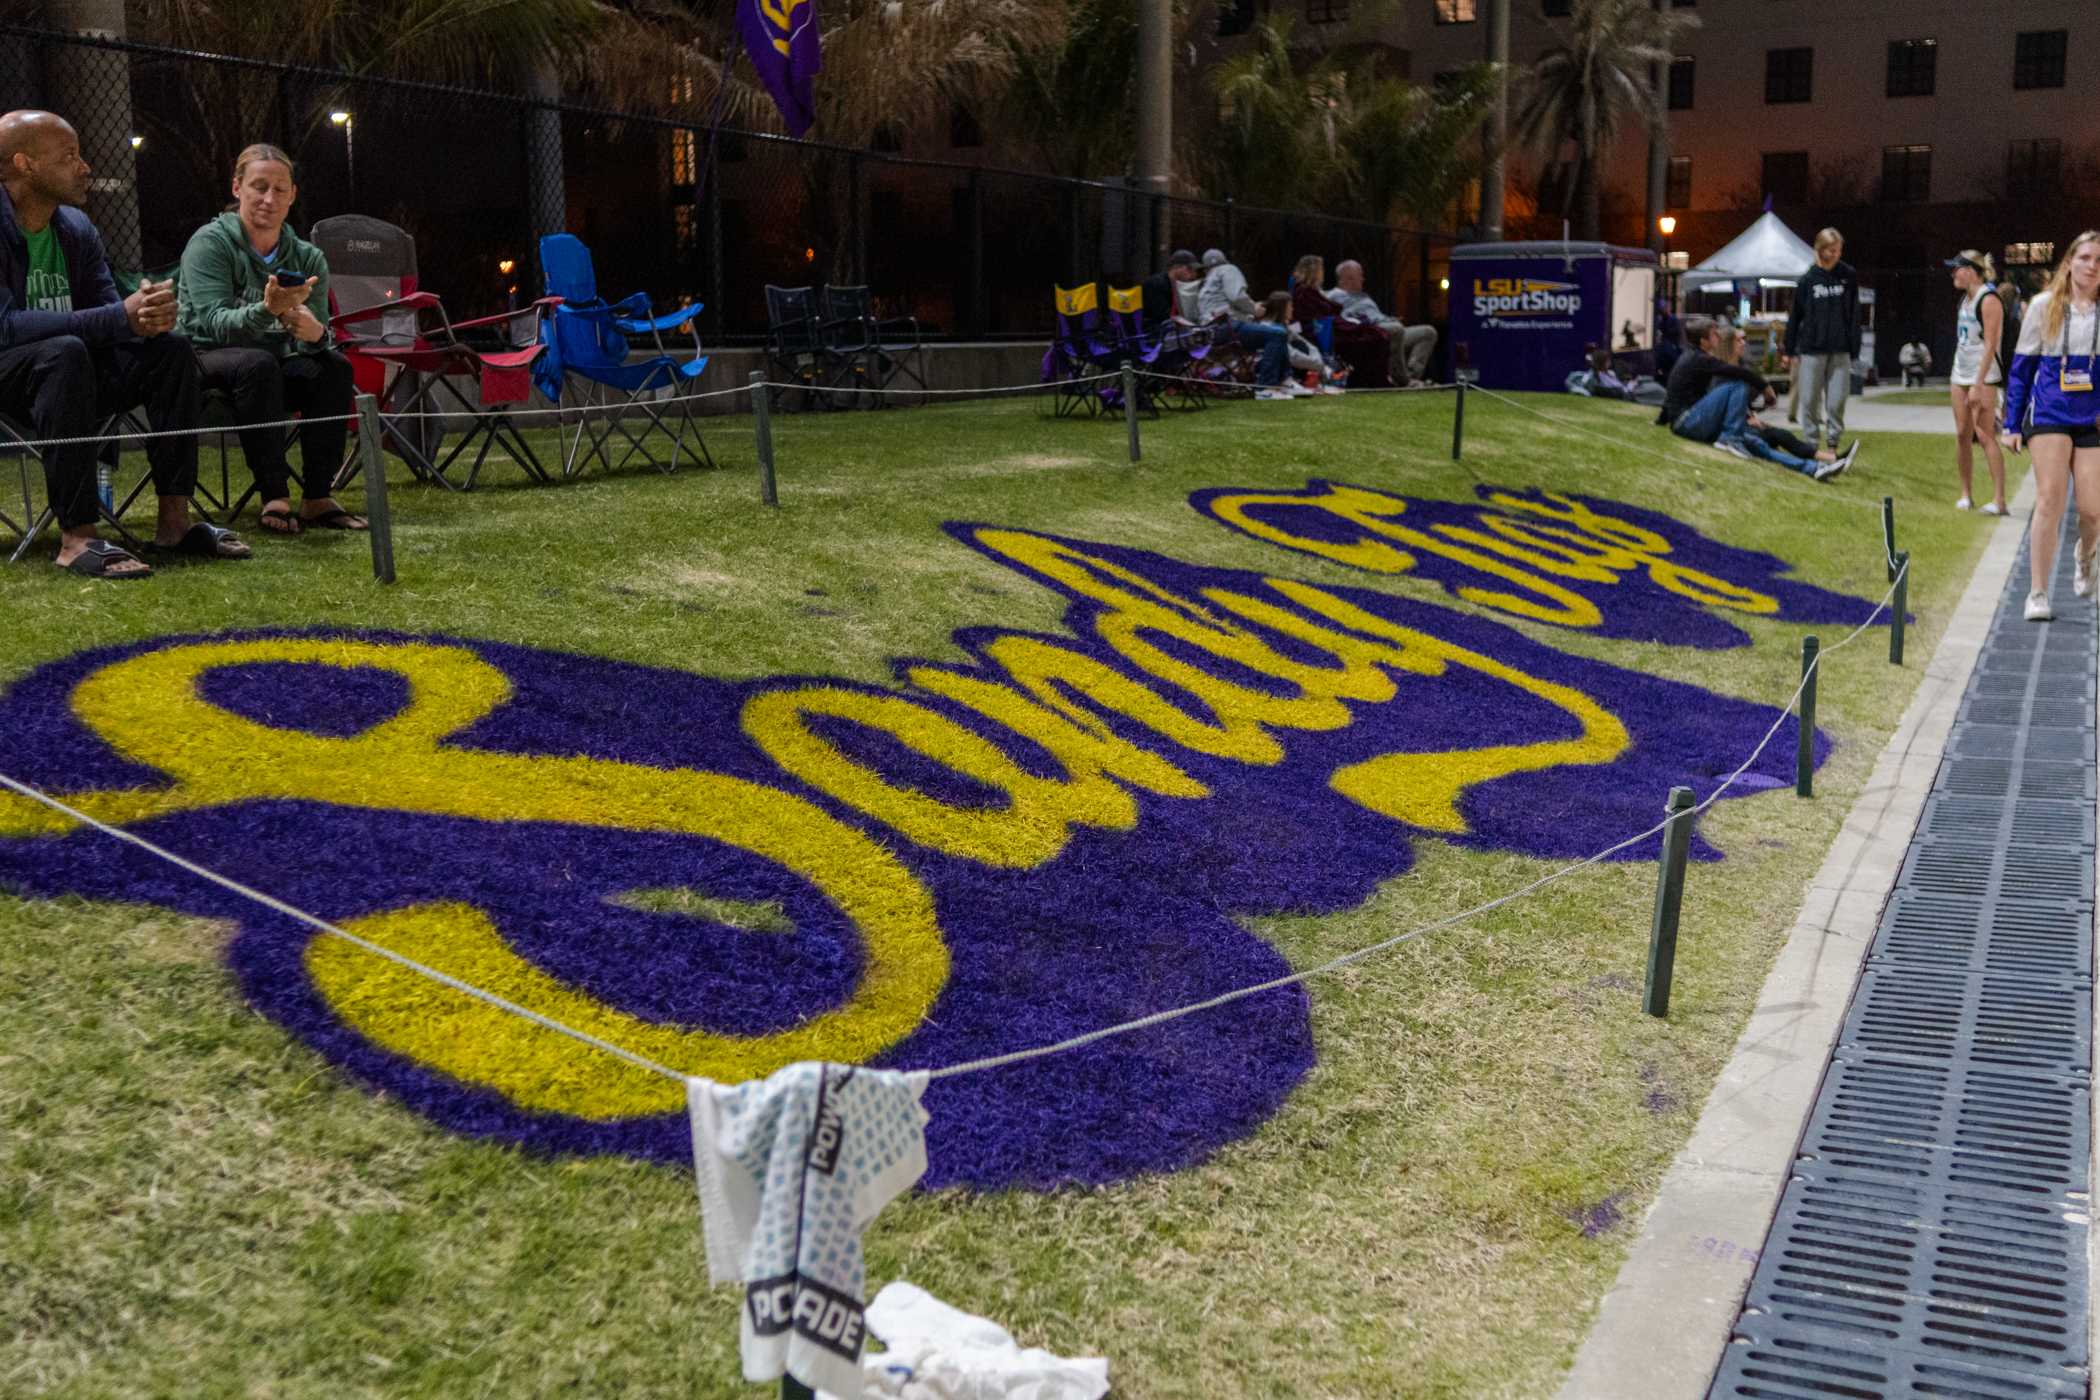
[369,262]
[847,304]
[566,264]
[791,312]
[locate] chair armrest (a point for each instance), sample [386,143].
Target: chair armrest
[647,324]
[414,301]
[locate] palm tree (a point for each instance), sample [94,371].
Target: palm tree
[1583,89]
[1344,139]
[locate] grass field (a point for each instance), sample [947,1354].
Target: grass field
[192,1201]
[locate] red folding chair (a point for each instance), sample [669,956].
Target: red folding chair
[406,353]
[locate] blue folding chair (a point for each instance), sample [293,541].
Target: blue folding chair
[588,341]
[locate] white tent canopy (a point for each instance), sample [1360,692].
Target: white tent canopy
[1768,248]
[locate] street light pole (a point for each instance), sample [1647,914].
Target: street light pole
[348,122]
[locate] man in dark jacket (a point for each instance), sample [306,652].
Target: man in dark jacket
[72,351]
[1709,398]
[1823,339]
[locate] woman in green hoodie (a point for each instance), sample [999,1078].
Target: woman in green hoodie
[266,343]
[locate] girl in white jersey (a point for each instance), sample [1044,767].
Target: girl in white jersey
[1978,326]
[2050,405]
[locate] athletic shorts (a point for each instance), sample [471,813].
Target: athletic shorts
[1960,383]
[2082,438]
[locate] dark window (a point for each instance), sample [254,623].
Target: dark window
[1913,67]
[1789,74]
[1555,9]
[1326,11]
[1906,174]
[2034,167]
[1677,193]
[1235,17]
[1786,177]
[2038,58]
[1682,72]
[1456,11]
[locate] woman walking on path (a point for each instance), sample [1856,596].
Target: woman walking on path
[1979,330]
[2050,403]
[1823,335]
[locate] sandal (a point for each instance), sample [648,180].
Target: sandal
[209,541]
[337,519]
[280,522]
[100,558]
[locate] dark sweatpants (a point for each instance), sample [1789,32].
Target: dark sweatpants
[61,388]
[267,389]
[1786,441]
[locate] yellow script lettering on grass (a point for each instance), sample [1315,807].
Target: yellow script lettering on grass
[1577,543]
[149,708]
[1232,721]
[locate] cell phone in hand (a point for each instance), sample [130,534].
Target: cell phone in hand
[292,279]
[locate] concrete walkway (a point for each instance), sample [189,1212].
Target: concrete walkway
[1874,414]
[1663,1326]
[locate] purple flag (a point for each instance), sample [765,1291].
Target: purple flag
[781,37]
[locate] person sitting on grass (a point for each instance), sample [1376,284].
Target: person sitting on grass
[1729,347]
[253,295]
[1222,301]
[1307,363]
[77,352]
[1708,400]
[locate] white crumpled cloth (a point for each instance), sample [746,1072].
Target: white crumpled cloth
[939,1352]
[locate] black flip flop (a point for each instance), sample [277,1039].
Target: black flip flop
[98,557]
[330,520]
[209,541]
[289,523]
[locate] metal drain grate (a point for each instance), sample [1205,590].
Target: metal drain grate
[1932,1237]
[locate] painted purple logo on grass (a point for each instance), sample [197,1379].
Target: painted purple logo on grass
[1063,831]
[1575,561]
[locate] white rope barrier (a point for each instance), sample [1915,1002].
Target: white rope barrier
[322,925]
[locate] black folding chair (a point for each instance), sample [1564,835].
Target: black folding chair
[802,350]
[889,347]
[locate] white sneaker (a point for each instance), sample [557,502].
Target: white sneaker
[1992,508]
[1270,393]
[1826,470]
[1299,391]
[1332,389]
[2082,574]
[2038,609]
[1734,448]
[1962,504]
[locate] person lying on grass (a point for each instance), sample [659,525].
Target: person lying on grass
[76,352]
[253,298]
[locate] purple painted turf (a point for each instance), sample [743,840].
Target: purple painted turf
[1117,926]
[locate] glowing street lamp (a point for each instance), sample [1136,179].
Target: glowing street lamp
[137,140]
[348,122]
[1668,224]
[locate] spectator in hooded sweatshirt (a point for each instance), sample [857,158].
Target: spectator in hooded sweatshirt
[2050,408]
[1823,338]
[1223,299]
[1708,400]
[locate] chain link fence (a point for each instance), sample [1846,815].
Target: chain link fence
[475,177]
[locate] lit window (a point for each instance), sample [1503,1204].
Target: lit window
[1457,11]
